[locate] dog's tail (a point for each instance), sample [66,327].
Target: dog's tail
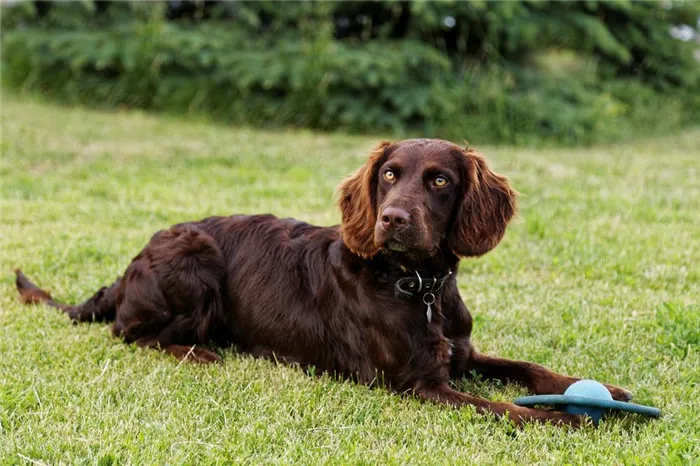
[102,306]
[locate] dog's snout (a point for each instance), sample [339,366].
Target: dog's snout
[394,217]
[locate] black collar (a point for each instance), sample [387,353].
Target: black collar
[420,284]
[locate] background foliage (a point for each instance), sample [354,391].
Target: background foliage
[516,72]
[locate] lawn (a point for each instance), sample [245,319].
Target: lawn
[598,277]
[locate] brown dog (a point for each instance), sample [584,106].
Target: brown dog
[374,298]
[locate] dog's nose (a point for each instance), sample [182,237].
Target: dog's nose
[393,217]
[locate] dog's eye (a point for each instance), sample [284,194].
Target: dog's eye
[440,181]
[389,176]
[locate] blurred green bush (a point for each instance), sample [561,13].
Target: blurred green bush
[514,72]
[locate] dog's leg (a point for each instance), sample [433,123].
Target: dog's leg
[443,394]
[171,297]
[538,379]
[182,352]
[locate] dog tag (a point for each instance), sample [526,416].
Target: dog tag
[428,300]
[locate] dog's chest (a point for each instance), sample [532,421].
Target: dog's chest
[439,345]
[408,341]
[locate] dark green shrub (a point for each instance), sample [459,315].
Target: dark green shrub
[382,66]
[165,66]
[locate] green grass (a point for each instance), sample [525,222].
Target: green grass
[599,278]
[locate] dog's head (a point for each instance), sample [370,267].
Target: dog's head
[420,195]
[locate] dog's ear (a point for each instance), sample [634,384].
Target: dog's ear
[358,204]
[486,207]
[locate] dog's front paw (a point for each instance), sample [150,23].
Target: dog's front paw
[618,393]
[522,416]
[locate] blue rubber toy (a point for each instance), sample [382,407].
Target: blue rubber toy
[587,397]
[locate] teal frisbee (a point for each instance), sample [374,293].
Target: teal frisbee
[589,398]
